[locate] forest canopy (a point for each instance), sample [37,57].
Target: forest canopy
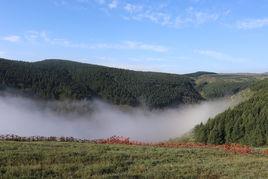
[247,123]
[61,79]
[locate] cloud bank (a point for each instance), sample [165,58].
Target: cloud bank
[12,38]
[94,120]
[252,23]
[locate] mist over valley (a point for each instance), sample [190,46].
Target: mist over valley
[97,119]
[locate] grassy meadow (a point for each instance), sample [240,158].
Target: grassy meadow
[84,160]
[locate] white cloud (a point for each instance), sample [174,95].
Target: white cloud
[199,17]
[215,55]
[252,23]
[60,2]
[189,17]
[143,46]
[155,17]
[43,37]
[160,13]
[125,45]
[12,38]
[195,18]
[131,8]
[113,4]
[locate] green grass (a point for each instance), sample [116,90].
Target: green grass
[84,160]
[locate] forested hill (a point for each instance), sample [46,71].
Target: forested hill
[200,73]
[61,79]
[247,123]
[220,85]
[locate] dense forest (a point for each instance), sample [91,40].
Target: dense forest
[61,79]
[247,123]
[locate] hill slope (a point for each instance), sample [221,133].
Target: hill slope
[247,123]
[220,85]
[59,79]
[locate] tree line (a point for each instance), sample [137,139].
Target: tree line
[246,123]
[61,79]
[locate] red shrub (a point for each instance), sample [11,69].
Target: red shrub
[234,148]
[265,152]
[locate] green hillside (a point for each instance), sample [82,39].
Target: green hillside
[219,85]
[87,160]
[61,79]
[247,123]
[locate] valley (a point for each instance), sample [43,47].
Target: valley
[168,122]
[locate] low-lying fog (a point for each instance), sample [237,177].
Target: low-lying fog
[26,117]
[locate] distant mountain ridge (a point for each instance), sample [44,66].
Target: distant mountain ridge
[200,73]
[61,79]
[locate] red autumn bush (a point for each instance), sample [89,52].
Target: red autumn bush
[234,148]
[237,148]
[265,152]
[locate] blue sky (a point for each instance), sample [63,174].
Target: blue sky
[177,36]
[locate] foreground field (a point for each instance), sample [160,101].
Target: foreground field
[73,159]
